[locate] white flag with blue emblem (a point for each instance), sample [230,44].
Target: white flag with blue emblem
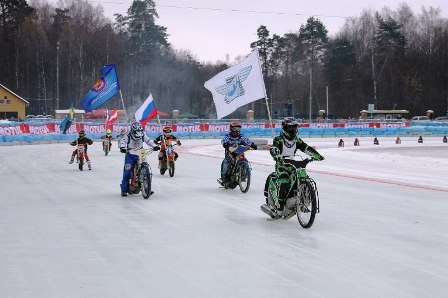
[238,85]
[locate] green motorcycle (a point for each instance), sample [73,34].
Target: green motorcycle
[290,191]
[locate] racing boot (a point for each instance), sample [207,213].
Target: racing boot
[89,164]
[72,159]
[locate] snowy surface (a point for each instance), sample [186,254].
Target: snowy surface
[382,229]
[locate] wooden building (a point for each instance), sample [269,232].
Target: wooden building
[12,106]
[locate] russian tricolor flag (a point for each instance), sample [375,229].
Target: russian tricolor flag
[147,111]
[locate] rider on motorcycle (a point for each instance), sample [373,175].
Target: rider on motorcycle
[82,139]
[285,145]
[166,136]
[121,135]
[133,140]
[230,142]
[107,136]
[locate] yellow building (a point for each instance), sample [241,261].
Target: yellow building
[11,105]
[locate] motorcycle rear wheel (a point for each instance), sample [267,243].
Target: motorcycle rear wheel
[145,180]
[306,204]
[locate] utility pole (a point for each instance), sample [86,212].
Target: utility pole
[311,88]
[57,75]
[327,104]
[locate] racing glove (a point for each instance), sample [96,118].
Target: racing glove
[313,153]
[156,148]
[253,146]
[179,143]
[123,150]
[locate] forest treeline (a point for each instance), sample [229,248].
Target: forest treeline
[395,59]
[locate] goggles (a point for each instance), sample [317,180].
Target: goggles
[236,128]
[291,128]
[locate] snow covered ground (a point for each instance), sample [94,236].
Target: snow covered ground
[381,232]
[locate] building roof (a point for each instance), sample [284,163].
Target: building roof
[387,111]
[68,111]
[19,97]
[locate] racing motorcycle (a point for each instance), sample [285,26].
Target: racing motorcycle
[297,193]
[168,157]
[141,176]
[106,146]
[239,171]
[80,155]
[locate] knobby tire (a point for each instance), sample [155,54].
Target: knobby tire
[145,180]
[306,214]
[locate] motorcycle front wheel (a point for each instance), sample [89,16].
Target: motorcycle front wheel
[243,176]
[145,180]
[306,204]
[81,163]
[171,168]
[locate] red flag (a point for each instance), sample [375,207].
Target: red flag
[111,119]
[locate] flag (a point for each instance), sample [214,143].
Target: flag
[238,85]
[110,119]
[69,119]
[106,87]
[146,112]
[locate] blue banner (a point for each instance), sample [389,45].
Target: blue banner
[106,87]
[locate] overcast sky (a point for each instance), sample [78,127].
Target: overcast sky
[213,29]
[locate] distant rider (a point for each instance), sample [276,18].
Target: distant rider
[285,146]
[107,137]
[121,135]
[230,142]
[133,140]
[166,137]
[82,139]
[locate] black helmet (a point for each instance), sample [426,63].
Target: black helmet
[136,131]
[82,134]
[289,127]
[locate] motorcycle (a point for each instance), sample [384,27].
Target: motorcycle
[239,171]
[168,157]
[106,146]
[80,151]
[141,176]
[297,193]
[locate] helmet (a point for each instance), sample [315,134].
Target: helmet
[289,128]
[167,130]
[235,128]
[136,130]
[82,133]
[108,132]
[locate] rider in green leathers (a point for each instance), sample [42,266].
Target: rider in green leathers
[285,145]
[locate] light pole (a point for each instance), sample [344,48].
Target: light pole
[326,114]
[57,75]
[311,86]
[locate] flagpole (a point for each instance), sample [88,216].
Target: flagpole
[269,115]
[122,102]
[163,136]
[265,95]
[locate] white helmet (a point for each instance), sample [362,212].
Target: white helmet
[136,131]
